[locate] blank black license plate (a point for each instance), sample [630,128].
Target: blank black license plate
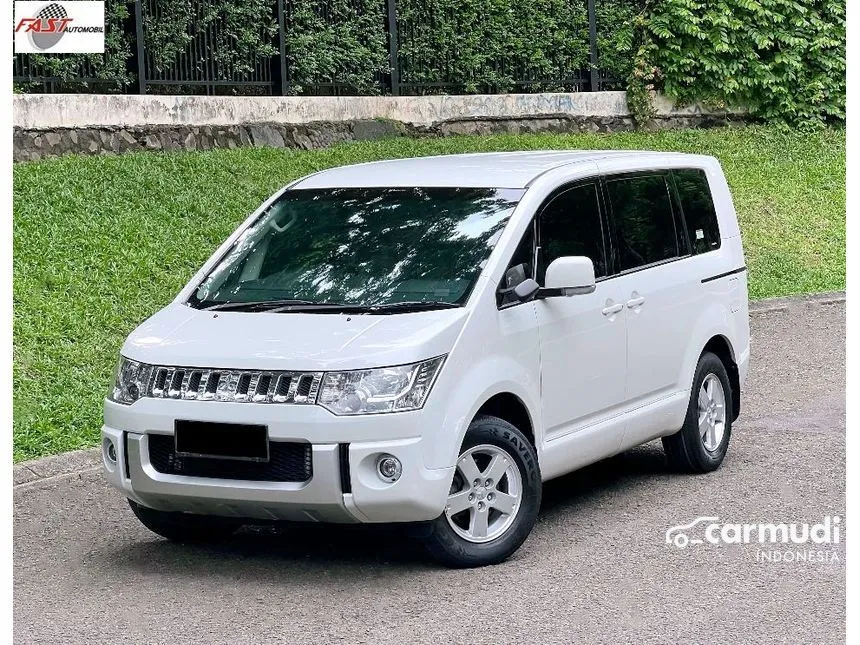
[222,440]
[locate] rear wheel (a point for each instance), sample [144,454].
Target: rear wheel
[184,527]
[701,444]
[494,497]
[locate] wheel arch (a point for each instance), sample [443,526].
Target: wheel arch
[722,348]
[511,408]
[498,384]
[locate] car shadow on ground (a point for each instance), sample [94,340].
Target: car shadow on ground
[260,549]
[613,476]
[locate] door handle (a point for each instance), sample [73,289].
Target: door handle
[613,309]
[635,302]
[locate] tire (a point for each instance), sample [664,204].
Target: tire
[517,488]
[692,448]
[184,527]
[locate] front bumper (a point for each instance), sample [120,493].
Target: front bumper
[338,491]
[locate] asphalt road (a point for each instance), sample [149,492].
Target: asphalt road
[595,569]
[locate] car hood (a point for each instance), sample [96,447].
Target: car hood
[183,336]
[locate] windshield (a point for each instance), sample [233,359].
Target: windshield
[363,247]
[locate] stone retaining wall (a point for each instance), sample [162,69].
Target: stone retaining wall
[53,125]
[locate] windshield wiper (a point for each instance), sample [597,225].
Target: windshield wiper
[413,305]
[284,306]
[271,305]
[387,308]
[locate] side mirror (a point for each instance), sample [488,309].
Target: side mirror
[526,290]
[569,276]
[518,288]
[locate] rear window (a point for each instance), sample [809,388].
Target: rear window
[698,208]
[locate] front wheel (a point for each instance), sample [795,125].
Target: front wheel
[494,498]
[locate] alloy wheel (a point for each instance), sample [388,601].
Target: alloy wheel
[712,412]
[485,494]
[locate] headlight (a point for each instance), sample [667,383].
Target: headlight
[130,381]
[387,389]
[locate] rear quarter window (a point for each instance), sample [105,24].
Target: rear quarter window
[694,193]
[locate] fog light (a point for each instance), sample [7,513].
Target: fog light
[389,468]
[110,451]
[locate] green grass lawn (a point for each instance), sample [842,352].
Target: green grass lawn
[101,243]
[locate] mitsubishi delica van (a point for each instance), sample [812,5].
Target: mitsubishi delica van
[428,340]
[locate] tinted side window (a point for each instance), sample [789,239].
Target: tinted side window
[570,225]
[698,207]
[643,220]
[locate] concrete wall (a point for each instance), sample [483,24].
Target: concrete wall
[54,124]
[49,111]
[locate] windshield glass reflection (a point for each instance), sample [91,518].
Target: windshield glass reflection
[363,247]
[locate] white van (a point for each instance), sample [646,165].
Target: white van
[427,340]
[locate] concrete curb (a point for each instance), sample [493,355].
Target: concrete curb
[80,461]
[67,463]
[774,305]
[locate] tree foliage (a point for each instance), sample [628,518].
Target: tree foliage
[784,60]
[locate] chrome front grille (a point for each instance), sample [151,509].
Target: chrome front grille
[240,386]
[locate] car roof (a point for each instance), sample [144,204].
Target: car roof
[475,170]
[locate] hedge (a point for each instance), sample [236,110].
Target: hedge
[508,45]
[446,45]
[243,30]
[345,43]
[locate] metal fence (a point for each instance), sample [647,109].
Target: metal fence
[197,64]
[200,64]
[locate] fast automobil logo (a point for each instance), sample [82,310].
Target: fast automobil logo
[59,27]
[46,29]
